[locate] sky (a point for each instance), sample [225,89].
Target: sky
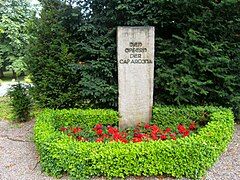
[34,1]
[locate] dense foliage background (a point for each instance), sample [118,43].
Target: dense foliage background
[15,18]
[73,59]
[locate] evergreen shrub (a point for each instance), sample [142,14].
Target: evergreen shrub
[21,101]
[74,58]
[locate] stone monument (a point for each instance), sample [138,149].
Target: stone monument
[135,47]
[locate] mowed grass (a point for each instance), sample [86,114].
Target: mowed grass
[5,109]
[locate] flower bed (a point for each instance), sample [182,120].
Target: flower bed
[142,132]
[184,157]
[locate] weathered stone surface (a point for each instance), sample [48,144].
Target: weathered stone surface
[135,48]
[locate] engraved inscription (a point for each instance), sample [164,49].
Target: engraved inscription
[135,55]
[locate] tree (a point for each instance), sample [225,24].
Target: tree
[197,51]
[53,64]
[15,16]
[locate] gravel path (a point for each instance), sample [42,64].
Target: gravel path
[19,160]
[228,166]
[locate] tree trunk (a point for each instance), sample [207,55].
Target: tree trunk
[14,76]
[1,73]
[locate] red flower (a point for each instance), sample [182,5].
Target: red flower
[147,126]
[117,136]
[136,130]
[186,133]
[192,126]
[155,128]
[99,131]
[112,130]
[173,136]
[105,136]
[135,139]
[99,139]
[167,130]
[63,129]
[123,140]
[181,128]
[163,137]
[143,133]
[76,130]
[154,136]
[139,135]
[124,134]
[98,126]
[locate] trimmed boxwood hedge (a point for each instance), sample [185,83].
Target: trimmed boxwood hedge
[186,157]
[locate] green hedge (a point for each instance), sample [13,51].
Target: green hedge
[186,157]
[84,118]
[170,116]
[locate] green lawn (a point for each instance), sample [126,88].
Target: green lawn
[5,109]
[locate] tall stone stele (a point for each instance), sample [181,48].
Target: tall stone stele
[135,47]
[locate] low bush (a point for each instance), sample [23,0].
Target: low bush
[184,157]
[170,116]
[20,101]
